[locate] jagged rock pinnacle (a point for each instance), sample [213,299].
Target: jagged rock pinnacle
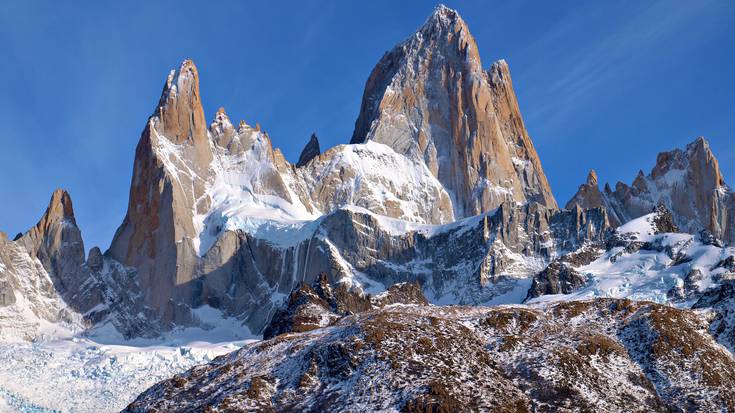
[310,151]
[592,178]
[688,181]
[180,107]
[56,239]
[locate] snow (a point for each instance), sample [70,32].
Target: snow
[647,274]
[240,198]
[107,371]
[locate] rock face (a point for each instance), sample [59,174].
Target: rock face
[46,285]
[319,305]
[310,151]
[171,165]
[470,261]
[603,355]
[557,278]
[57,242]
[430,99]
[191,185]
[217,216]
[30,305]
[688,182]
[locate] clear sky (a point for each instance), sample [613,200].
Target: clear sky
[604,85]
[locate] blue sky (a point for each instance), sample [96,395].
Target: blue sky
[604,85]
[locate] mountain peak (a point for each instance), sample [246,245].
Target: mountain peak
[56,240]
[443,15]
[689,183]
[180,108]
[310,151]
[60,207]
[699,143]
[592,178]
[430,99]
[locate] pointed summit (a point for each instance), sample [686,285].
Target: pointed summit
[55,239]
[430,100]
[310,151]
[588,195]
[222,129]
[443,19]
[180,107]
[592,178]
[168,188]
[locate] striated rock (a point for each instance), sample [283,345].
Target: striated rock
[687,182]
[604,355]
[310,151]
[44,279]
[430,99]
[168,188]
[29,300]
[470,261]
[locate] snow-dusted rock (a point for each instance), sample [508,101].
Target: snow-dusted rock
[319,305]
[604,355]
[430,99]
[642,259]
[688,182]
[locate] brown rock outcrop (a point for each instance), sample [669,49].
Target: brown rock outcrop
[168,188]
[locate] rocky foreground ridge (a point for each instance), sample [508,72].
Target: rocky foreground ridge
[601,355]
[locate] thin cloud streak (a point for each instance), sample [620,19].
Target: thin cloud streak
[613,56]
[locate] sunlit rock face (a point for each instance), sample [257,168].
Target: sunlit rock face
[688,182]
[430,99]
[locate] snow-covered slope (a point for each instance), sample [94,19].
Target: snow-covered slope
[644,263]
[30,305]
[93,375]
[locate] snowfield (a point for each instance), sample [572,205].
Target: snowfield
[650,273]
[102,372]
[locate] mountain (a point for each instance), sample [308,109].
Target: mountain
[688,182]
[48,289]
[646,259]
[218,217]
[373,270]
[310,151]
[600,355]
[430,99]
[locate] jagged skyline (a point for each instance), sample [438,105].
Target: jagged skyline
[98,138]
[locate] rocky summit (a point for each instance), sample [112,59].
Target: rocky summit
[687,181]
[431,100]
[424,266]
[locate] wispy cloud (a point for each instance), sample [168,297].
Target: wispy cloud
[617,41]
